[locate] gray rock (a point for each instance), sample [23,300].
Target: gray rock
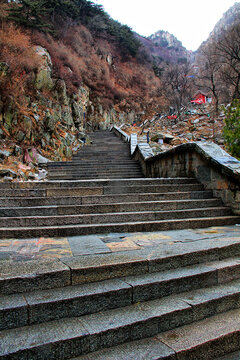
[18,150]
[8,172]
[4,154]
[42,160]
[189,136]
[20,136]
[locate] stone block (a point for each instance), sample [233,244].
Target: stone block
[75,301]
[157,285]
[50,341]
[206,339]
[32,275]
[13,311]
[150,348]
[106,266]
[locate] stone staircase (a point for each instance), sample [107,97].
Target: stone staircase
[178,304]
[178,301]
[107,158]
[109,195]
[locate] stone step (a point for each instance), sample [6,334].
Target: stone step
[155,201]
[82,229]
[94,163]
[103,190]
[22,277]
[94,167]
[96,177]
[112,217]
[99,171]
[169,319]
[219,279]
[96,183]
[206,339]
[96,173]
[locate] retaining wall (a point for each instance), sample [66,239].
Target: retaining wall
[209,163]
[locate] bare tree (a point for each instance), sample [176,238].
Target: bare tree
[209,73]
[227,48]
[176,85]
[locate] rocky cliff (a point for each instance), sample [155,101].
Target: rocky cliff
[165,47]
[229,18]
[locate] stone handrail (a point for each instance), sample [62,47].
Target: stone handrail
[125,137]
[207,162]
[144,148]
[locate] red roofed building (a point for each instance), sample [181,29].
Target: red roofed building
[199,98]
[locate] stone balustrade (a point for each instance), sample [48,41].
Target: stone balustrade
[208,162]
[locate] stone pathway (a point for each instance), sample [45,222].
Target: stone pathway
[55,248]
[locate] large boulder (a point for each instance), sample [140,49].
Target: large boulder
[43,78]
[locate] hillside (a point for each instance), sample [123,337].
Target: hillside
[62,76]
[67,68]
[230,17]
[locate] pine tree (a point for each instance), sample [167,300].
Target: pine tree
[30,13]
[231,130]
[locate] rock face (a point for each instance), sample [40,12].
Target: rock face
[51,120]
[231,16]
[165,39]
[163,46]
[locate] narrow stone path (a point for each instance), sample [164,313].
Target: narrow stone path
[103,191]
[106,264]
[108,157]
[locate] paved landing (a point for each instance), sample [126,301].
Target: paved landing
[47,248]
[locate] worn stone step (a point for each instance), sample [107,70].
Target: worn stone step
[101,190]
[95,183]
[170,319]
[89,177]
[82,229]
[125,202]
[206,339]
[219,279]
[112,217]
[22,277]
[99,172]
[94,168]
[93,174]
[91,163]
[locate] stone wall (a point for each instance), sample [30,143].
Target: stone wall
[212,166]
[209,163]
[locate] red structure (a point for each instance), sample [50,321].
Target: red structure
[199,98]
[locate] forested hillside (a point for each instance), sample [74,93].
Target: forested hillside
[66,67]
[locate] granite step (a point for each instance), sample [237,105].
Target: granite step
[29,221]
[95,174]
[96,183]
[74,209]
[86,164]
[89,177]
[207,339]
[21,277]
[211,287]
[169,319]
[93,167]
[101,190]
[142,226]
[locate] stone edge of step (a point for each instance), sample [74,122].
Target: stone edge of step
[221,277]
[22,276]
[163,318]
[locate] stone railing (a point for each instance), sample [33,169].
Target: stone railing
[125,137]
[211,165]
